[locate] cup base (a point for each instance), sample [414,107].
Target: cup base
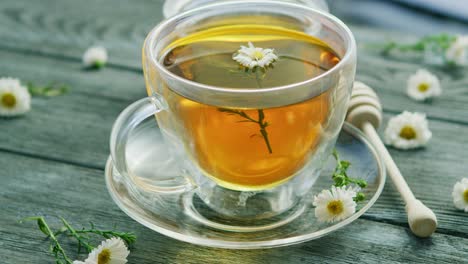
[202,213]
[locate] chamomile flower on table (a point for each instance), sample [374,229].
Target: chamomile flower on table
[95,57]
[111,251]
[457,52]
[423,85]
[335,204]
[460,195]
[407,131]
[14,97]
[252,56]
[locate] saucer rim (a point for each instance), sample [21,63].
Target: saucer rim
[280,242]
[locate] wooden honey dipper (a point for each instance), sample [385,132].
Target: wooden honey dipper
[365,112]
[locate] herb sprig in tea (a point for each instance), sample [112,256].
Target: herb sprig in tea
[261,122]
[254,60]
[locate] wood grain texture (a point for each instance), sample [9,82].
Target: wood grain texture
[52,158]
[79,194]
[74,127]
[66,28]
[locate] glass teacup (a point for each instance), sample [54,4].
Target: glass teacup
[248,152]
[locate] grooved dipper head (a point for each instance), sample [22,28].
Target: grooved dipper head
[364,106]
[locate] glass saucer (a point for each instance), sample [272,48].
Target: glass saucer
[183,216]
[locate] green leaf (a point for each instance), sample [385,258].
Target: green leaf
[341,178]
[359,197]
[43,226]
[50,90]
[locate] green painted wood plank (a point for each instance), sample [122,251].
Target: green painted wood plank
[38,187]
[67,28]
[389,77]
[431,174]
[74,127]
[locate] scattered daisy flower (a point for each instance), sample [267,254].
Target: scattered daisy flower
[14,98]
[407,131]
[111,251]
[95,57]
[335,204]
[460,194]
[252,56]
[423,85]
[457,52]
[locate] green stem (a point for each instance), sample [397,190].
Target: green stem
[74,233]
[127,237]
[261,115]
[341,178]
[263,125]
[56,248]
[258,78]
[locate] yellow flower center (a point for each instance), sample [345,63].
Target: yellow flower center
[465,195]
[8,100]
[258,55]
[408,133]
[423,87]
[335,207]
[104,256]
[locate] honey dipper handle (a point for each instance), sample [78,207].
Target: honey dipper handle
[392,169]
[421,219]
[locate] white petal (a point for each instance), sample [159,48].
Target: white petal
[343,194]
[416,121]
[21,94]
[94,56]
[458,194]
[246,56]
[117,248]
[84,262]
[423,76]
[457,52]
[243,59]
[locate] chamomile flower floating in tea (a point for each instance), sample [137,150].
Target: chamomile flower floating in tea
[335,204]
[423,85]
[14,97]
[111,251]
[457,52]
[252,56]
[407,131]
[95,57]
[460,195]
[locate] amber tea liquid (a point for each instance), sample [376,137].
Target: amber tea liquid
[241,148]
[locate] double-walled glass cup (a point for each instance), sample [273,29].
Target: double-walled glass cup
[228,165]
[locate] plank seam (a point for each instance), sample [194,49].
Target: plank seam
[42,157]
[439,230]
[67,58]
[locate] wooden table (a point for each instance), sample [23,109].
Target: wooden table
[52,159]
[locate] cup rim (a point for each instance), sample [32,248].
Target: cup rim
[151,38]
